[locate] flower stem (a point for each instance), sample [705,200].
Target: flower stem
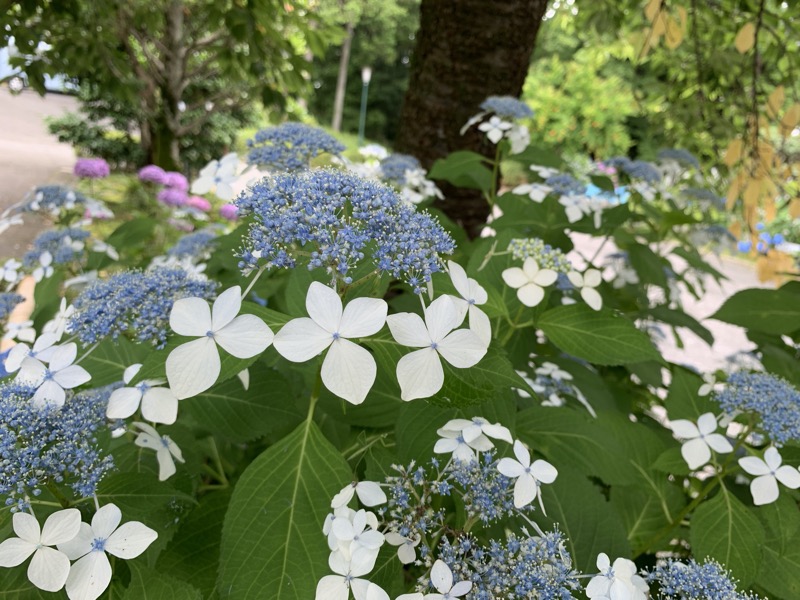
[253,282]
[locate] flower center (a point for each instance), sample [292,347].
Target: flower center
[210,334]
[434,345]
[336,335]
[98,545]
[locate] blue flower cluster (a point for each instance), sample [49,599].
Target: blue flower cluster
[487,493]
[696,581]
[565,184]
[519,567]
[8,301]
[134,303]
[394,167]
[336,219]
[64,245]
[545,255]
[635,169]
[774,400]
[198,245]
[290,146]
[705,195]
[507,107]
[52,198]
[764,243]
[39,446]
[680,156]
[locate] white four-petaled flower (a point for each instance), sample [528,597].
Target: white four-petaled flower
[495,128]
[420,373]
[348,369]
[529,476]
[349,571]
[49,567]
[586,284]
[368,492]
[405,546]
[167,451]
[193,367]
[700,439]
[10,270]
[43,349]
[471,295]
[217,176]
[529,281]
[442,580]
[616,582]
[51,381]
[159,404]
[91,573]
[769,472]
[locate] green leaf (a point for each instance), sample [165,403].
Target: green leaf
[193,553]
[149,584]
[109,360]
[239,415]
[132,233]
[647,511]
[271,538]
[678,318]
[14,585]
[683,401]
[724,529]
[141,495]
[585,517]
[780,569]
[463,169]
[648,265]
[764,310]
[600,337]
[603,182]
[672,461]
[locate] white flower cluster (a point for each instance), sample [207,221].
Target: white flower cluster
[65,538]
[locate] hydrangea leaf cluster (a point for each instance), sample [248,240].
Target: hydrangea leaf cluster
[135,303]
[290,146]
[336,220]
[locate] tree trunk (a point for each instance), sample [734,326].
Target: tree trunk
[466,50]
[165,147]
[341,80]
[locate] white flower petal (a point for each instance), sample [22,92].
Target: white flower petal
[62,526]
[719,443]
[498,432]
[420,374]
[772,458]
[363,317]
[190,316]
[441,577]
[49,569]
[245,336]
[530,294]
[696,453]
[71,377]
[348,371]
[545,277]
[106,520]
[462,348]
[80,545]
[49,393]
[754,465]
[684,429]
[301,340]
[406,554]
[130,540]
[592,297]
[441,317]
[543,471]
[408,329]
[15,551]
[202,185]
[123,403]
[26,527]
[525,490]
[522,454]
[324,306]
[370,493]
[510,467]
[592,278]
[31,371]
[193,367]
[332,587]
[160,405]
[764,490]
[89,577]
[226,307]
[480,324]
[366,590]
[788,476]
[224,191]
[63,356]
[515,277]
[461,588]
[706,423]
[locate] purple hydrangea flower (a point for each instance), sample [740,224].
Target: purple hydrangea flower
[176,180]
[91,168]
[172,196]
[199,203]
[229,211]
[152,173]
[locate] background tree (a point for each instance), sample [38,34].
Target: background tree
[465,51]
[151,54]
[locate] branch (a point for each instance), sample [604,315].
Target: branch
[756,73]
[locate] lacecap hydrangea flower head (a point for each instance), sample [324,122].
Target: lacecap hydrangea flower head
[290,146]
[334,220]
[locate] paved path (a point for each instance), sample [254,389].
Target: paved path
[29,156]
[728,339]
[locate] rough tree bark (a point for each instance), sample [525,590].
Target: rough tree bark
[466,50]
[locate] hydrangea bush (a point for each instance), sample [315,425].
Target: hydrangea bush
[328,392]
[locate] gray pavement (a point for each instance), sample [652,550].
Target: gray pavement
[29,156]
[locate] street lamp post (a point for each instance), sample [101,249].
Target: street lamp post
[366,75]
